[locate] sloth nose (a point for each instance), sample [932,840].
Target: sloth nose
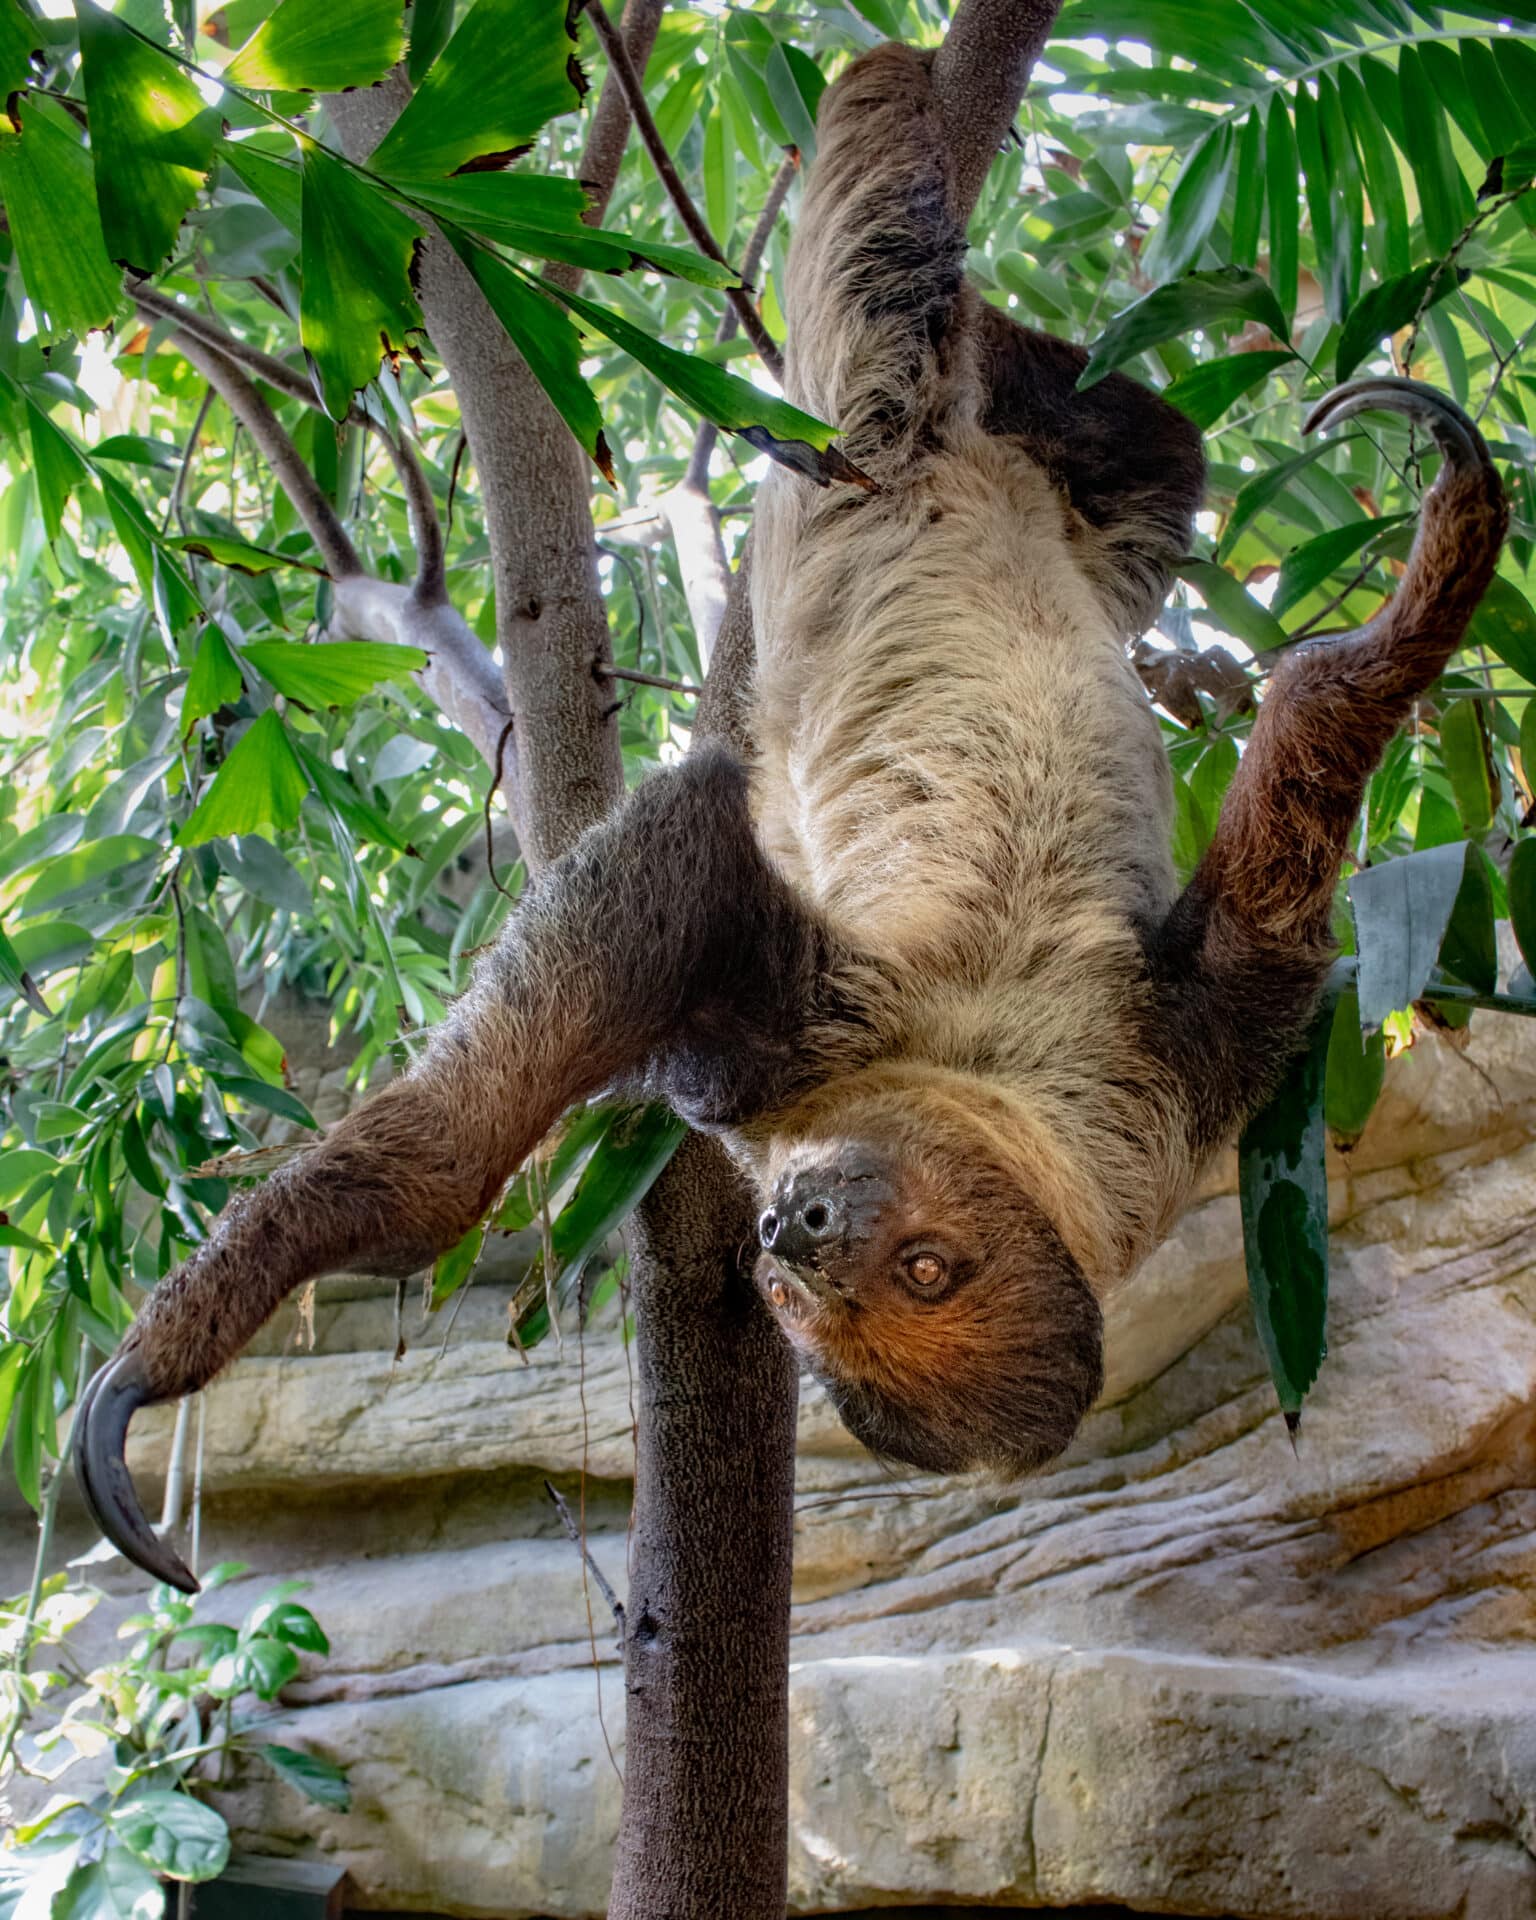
[802,1224]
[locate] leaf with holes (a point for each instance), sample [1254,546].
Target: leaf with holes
[152,138]
[509,68]
[315,46]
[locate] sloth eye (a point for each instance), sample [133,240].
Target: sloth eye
[926,1270]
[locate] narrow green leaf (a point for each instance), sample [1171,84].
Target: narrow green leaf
[1468,757]
[331,673]
[1308,565]
[1520,883]
[214,681]
[1357,1065]
[15,976]
[1444,198]
[431,24]
[278,1100]
[88,871]
[720,174]
[318,1780]
[1382,310]
[255,864]
[1283,1187]
[238,554]
[1446,75]
[510,67]
[452,1270]
[1193,206]
[1042,292]
[50,207]
[1255,495]
[314,46]
[356,304]
[1505,124]
[790,92]
[1402,909]
[260,784]
[1248,192]
[1232,606]
[1314,166]
[1210,386]
[795,439]
[1383,177]
[1469,950]
[546,339]
[152,138]
[138,450]
[1346,190]
[1198,300]
[57,465]
[348,805]
[1282,172]
[626,1164]
[1505,623]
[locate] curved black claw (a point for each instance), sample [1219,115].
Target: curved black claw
[100,1439]
[1455,435]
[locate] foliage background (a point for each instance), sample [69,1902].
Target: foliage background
[1238,200]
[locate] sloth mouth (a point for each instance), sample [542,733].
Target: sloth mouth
[792,1290]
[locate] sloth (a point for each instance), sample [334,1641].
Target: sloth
[923,966]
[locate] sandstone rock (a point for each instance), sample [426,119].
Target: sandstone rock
[1187,1669]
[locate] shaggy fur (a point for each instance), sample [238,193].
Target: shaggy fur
[931,972]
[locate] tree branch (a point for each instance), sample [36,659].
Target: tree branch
[261,423]
[426,528]
[979,77]
[671,179]
[276,373]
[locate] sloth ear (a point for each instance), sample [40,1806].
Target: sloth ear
[1130,464]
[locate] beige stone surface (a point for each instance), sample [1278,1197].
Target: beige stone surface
[1186,1670]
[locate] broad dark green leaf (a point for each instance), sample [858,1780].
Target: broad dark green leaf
[1505,623]
[1198,300]
[173,1833]
[1382,310]
[20,38]
[1469,951]
[794,93]
[275,183]
[546,339]
[1402,909]
[1283,1188]
[1520,883]
[1282,174]
[260,784]
[50,208]
[1383,177]
[795,439]
[118,1886]
[152,137]
[1444,70]
[331,673]
[320,47]
[258,866]
[1193,206]
[510,66]
[1357,1065]
[318,1780]
[1210,387]
[1444,198]
[214,681]
[1232,606]
[1504,123]
[1307,566]
[1468,755]
[357,303]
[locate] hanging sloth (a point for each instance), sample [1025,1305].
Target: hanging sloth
[924,966]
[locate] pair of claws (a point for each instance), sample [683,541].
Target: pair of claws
[121,1387]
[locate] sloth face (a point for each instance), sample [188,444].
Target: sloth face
[936,1304]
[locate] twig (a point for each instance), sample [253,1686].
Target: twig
[173,505]
[605,672]
[276,373]
[426,527]
[671,179]
[616,1605]
[494,787]
[757,245]
[279,452]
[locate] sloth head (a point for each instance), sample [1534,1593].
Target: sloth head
[933,1299]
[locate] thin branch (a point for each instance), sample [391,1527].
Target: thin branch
[184,467]
[426,527]
[648,680]
[279,452]
[671,179]
[615,1605]
[751,261]
[276,373]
